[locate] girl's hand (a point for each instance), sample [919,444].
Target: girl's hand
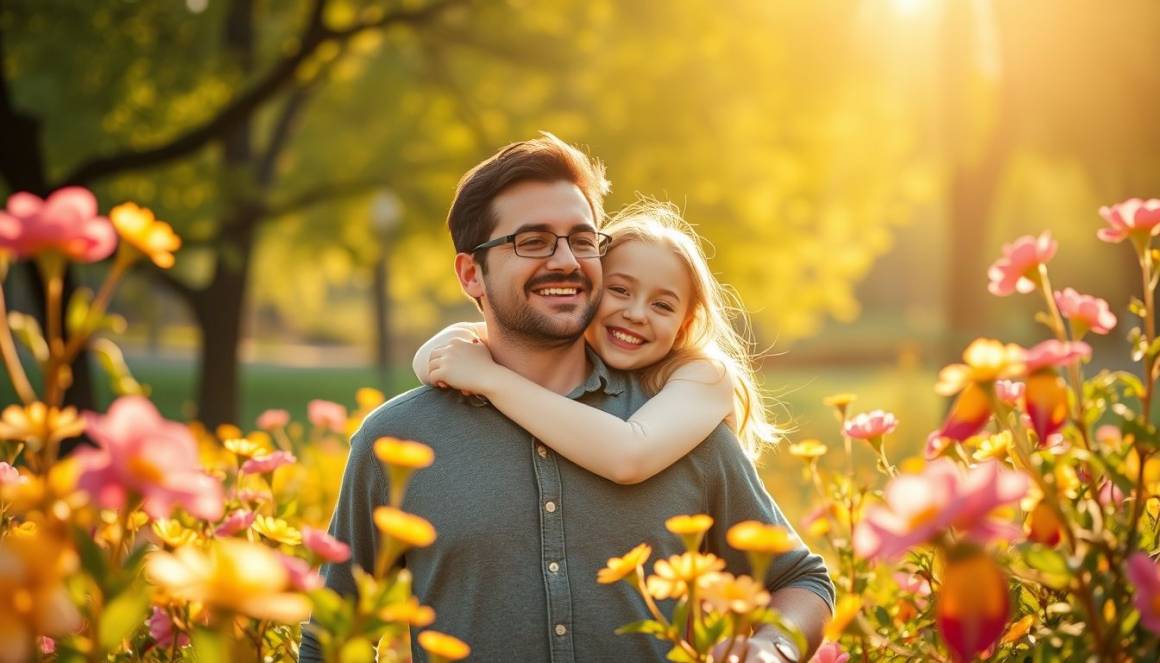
[463,365]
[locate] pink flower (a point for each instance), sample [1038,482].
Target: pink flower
[326,415]
[1085,311]
[1110,494]
[302,577]
[324,545]
[913,585]
[10,476]
[46,644]
[1132,218]
[830,652]
[1054,353]
[273,419]
[236,522]
[66,223]
[162,632]
[1017,270]
[936,445]
[869,425]
[919,507]
[144,455]
[1009,391]
[1144,575]
[268,462]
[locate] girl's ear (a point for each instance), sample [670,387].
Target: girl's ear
[470,275]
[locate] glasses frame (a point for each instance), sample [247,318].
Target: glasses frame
[603,241]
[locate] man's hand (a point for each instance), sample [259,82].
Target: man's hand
[747,650]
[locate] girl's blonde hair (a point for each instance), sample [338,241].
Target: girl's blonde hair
[715,327]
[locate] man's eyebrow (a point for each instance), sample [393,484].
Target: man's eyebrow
[626,277]
[545,227]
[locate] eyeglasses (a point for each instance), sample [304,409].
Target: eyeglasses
[542,243]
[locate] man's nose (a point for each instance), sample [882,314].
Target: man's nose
[563,259]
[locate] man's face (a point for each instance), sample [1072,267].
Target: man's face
[544,301]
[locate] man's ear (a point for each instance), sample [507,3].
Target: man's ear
[470,275]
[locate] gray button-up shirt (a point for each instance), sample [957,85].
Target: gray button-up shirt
[523,531]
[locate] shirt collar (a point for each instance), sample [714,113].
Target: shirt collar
[601,378]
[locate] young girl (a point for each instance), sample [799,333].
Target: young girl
[664,315]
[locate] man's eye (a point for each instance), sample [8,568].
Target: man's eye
[533,243]
[583,243]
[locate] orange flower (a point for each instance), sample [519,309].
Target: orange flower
[986,360]
[620,567]
[33,598]
[740,594]
[408,528]
[972,603]
[1043,526]
[141,230]
[844,614]
[404,453]
[408,612]
[1018,630]
[808,450]
[754,536]
[695,524]
[443,647]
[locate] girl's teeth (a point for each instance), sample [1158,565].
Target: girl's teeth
[626,338]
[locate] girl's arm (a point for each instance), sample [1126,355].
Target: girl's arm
[461,330]
[692,403]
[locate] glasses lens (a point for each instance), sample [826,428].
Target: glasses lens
[584,244]
[535,244]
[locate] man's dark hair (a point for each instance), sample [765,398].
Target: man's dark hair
[546,159]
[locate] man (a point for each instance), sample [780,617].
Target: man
[522,531]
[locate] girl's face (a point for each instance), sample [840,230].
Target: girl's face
[647,294]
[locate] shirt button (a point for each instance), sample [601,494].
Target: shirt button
[561,629]
[542,450]
[550,507]
[553,567]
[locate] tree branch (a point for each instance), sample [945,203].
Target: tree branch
[280,135]
[324,194]
[247,103]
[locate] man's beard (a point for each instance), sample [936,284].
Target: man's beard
[521,322]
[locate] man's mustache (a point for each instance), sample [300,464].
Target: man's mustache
[575,278]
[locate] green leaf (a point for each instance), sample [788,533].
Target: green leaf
[331,612]
[92,557]
[1136,307]
[680,655]
[121,616]
[210,646]
[357,650]
[1133,387]
[1051,565]
[646,626]
[78,311]
[709,631]
[27,331]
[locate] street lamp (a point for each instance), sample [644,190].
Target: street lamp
[386,212]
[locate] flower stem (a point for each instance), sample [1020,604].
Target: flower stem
[1149,384]
[11,359]
[97,308]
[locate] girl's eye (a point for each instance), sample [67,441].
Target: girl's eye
[618,289]
[665,306]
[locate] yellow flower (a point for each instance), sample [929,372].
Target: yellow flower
[442,646]
[234,576]
[278,530]
[172,533]
[1018,630]
[408,612]
[808,450]
[844,613]
[994,446]
[986,360]
[408,528]
[38,425]
[33,597]
[137,226]
[839,402]
[244,447]
[672,576]
[727,593]
[754,536]
[403,453]
[368,398]
[620,567]
[695,524]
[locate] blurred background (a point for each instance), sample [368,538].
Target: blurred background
[855,166]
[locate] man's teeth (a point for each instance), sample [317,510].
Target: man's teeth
[626,338]
[556,292]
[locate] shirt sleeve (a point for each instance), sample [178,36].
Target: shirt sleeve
[735,493]
[364,488]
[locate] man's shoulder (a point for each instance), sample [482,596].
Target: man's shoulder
[409,410]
